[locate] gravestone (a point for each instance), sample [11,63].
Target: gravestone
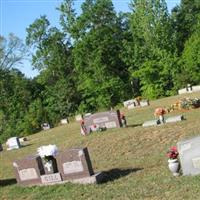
[196,88]
[45,126]
[174,119]
[28,170]
[13,143]
[64,121]
[189,154]
[151,123]
[1,147]
[74,164]
[110,119]
[128,102]
[78,118]
[131,106]
[144,103]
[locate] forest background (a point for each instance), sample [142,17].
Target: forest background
[96,60]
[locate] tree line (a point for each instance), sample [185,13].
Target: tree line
[96,60]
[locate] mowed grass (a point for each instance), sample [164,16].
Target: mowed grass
[133,159]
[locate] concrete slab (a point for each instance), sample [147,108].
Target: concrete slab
[151,123]
[174,119]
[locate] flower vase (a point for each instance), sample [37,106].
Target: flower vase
[174,166]
[49,164]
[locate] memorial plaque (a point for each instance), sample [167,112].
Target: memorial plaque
[74,164]
[174,119]
[189,153]
[51,178]
[28,170]
[27,174]
[110,119]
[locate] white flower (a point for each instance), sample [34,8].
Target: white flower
[49,150]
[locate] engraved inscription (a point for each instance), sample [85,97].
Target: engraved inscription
[196,163]
[111,124]
[51,178]
[72,167]
[100,120]
[28,174]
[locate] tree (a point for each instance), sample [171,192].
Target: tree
[102,75]
[185,19]
[150,48]
[12,51]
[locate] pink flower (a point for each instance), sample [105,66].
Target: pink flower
[172,153]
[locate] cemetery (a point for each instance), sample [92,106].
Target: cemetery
[132,162]
[137,102]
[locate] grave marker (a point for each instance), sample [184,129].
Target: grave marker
[74,163]
[28,170]
[189,153]
[13,143]
[110,119]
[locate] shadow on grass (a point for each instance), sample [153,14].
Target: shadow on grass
[116,173]
[7,182]
[25,145]
[133,125]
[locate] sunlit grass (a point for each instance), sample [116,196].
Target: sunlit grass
[133,158]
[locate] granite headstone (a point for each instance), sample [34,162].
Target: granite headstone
[110,119]
[74,164]
[28,170]
[189,153]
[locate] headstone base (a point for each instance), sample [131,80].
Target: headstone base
[150,123]
[174,119]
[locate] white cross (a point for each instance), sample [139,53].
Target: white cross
[48,166]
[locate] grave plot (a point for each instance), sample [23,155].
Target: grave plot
[189,154]
[134,103]
[110,119]
[13,143]
[70,165]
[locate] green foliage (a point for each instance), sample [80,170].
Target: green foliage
[97,60]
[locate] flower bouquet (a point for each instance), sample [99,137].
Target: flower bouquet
[47,154]
[173,162]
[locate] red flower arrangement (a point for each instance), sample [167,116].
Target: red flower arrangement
[172,153]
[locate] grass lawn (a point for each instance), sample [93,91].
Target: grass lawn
[133,159]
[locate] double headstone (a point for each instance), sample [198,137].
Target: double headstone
[72,165]
[110,119]
[189,153]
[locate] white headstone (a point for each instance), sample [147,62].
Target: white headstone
[45,126]
[144,103]
[78,117]
[64,121]
[13,143]
[196,88]
[131,106]
[128,102]
[189,154]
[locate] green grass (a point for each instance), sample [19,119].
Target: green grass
[134,159]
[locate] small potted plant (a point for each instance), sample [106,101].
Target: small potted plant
[47,154]
[173,162]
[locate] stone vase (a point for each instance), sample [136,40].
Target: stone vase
[174,166]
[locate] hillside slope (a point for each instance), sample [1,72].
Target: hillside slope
[133,159]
